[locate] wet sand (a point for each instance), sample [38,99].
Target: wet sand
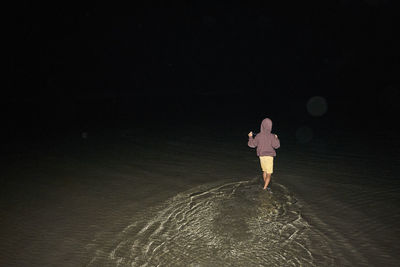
[187,192]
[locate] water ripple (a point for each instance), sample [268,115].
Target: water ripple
[236,224]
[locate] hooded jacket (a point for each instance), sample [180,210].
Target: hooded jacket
[265,142]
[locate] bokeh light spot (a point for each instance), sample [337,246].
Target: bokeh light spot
[304,134]
[317,106]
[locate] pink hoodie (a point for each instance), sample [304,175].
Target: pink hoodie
[266,142]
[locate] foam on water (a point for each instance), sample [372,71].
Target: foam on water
[234,224]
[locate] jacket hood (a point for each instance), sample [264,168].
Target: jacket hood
[266,126]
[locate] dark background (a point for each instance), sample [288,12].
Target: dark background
[74,67]
[109,111]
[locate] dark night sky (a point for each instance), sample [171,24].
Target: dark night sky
[70,50]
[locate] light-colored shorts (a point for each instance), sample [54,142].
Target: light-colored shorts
[267,164]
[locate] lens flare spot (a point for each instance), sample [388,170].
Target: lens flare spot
[317,106]
[304,134]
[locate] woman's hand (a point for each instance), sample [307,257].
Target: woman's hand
[250,134]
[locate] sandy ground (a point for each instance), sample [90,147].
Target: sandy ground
[67,201]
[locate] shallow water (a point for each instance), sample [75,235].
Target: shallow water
[184,198]
[234,224]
